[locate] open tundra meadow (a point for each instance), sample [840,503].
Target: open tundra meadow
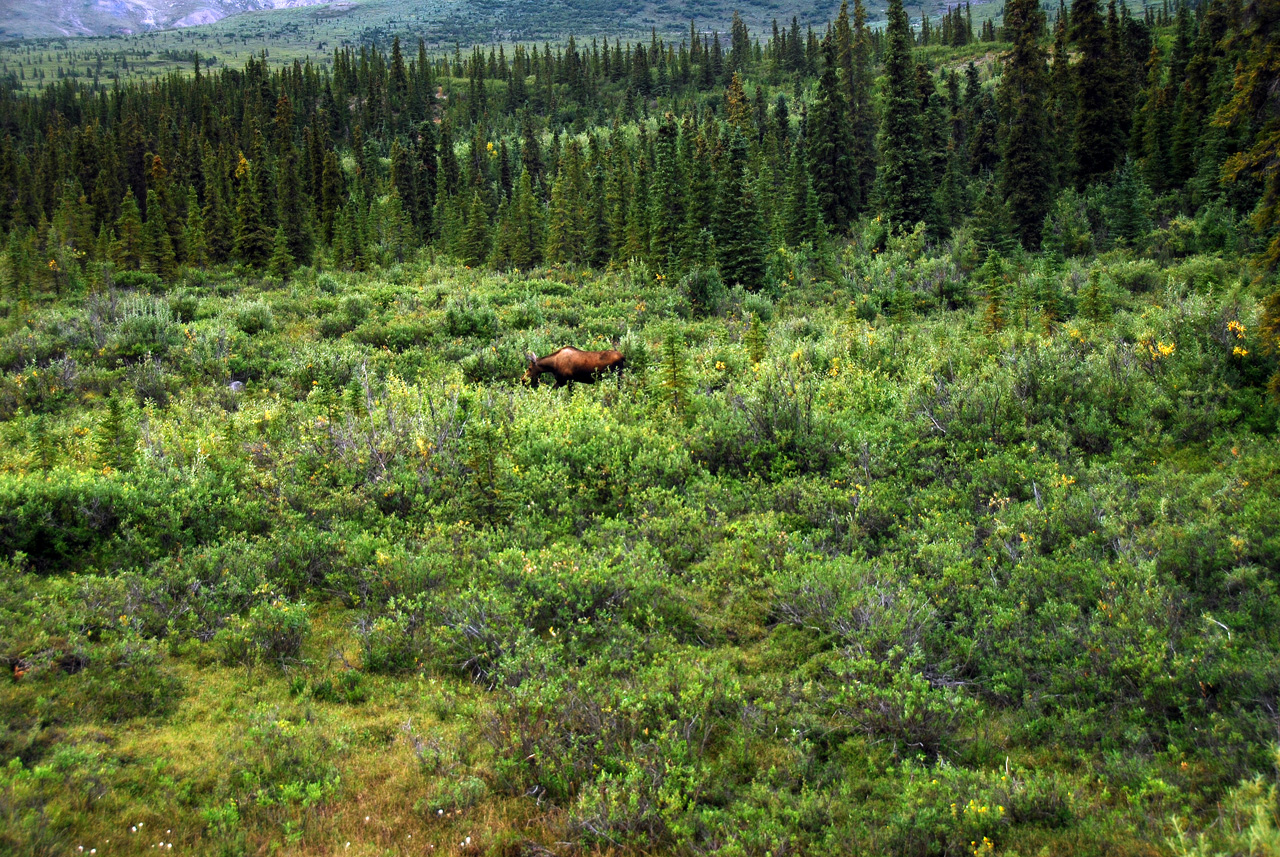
[936,510]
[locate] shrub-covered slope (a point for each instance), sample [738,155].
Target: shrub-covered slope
[830,571]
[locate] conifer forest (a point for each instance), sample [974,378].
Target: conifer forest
[935,510]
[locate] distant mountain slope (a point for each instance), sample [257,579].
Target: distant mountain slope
[106,17]
[440,21]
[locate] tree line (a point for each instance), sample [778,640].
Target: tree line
[686,156]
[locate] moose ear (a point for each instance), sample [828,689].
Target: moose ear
[531,357]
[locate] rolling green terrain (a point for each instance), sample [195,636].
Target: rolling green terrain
[313,32]
[936,510]
[812,578]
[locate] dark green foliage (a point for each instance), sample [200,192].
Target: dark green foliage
[673,372]
[1067,229]
[995,275]
[741,252]
[802,217]
[755,339]
[126,251]
[156,247]
[993,225]
[281,263]
[1093,300]
[1126,206]
[899,539]
[832,167]
[115,437]
[902,182]
[252,243]
[1098,140]
[473,248]
[1026,177]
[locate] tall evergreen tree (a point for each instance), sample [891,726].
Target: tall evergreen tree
[526,225]
[1254,102]
[193,236]
[862,119]
[902,182]
[740,238]
[126,252]
[831,163]
[291,212]
[1026,173]
[802,219]
[157,249]
[1097,141]
[252,240]
[473,246]
[665,209]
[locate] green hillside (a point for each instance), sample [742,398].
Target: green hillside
[935,509]
[313,32]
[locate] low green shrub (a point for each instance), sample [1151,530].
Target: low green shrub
[274,632]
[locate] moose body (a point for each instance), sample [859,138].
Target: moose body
[571,364]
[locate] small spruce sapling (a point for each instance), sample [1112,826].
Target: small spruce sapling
[1093,299]
[674,373]
[993,273]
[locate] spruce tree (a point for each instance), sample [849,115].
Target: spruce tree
[599,237]
[740,240]
[902,183]
[637,242]
[992,220]
[193,235]
[526,225]
[1097,143]
[665,210]
[756,342]
[252,242]
[115,438]
[157,250]
[831,164]
[1092,300]
[995,315]
[1127,199]
[673,374]
[1062,102]
[1026,173]
[802,217]
[700,200]
[281,262]
[737,109]
[1253,104]
[474,246]
[567,229]
[862,119]
[126,253]
[331,194]
[290,209]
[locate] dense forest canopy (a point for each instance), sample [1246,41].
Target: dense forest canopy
[1127,123]
[936,511]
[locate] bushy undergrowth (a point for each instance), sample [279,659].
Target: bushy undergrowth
[864,565]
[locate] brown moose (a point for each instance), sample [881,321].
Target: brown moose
[571,364]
